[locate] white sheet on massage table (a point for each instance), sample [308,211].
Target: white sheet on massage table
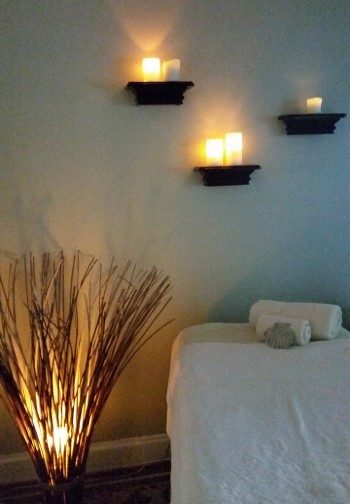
[253,425]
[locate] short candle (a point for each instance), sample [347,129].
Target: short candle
[214,149]
[233,148]
[151,69]
[313,105]
[171,70]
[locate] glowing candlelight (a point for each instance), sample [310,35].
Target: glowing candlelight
[233,148]
[314,105]
[214,149]
[151,69]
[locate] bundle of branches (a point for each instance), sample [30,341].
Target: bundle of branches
[67,331]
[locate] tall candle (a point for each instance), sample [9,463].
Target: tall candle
[171,70]
[314,105]
[214,149]
[233,148]
[151,69]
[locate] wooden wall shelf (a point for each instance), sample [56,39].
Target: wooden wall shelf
[310,124]
[159,93]
[226,175]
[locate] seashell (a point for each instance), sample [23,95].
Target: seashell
[279,336]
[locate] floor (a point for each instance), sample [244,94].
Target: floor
[142,485]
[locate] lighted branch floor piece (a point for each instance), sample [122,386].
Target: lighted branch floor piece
[80,327]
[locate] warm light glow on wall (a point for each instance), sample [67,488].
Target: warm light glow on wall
[214,150]
[151,69]
[147,24]
[233,148]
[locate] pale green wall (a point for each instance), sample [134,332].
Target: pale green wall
[83,167]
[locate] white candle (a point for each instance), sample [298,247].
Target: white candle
[214,149]
[314,105]
[171,70]
[151,69]
[233,148]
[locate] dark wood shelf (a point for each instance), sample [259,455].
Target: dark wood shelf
[310,124]
[159,93]
[226,175]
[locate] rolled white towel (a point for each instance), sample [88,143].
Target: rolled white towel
[301,328]
[325,319]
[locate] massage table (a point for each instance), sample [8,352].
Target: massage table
[249,424]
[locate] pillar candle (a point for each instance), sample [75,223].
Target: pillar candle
[214,149]
[171,70]
[314,105]
[151,69]
[233,148]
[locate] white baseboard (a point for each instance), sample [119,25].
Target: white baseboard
[102,457]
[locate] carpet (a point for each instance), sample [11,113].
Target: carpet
[143,485]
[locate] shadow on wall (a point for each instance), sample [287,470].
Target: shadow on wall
[30,217]
[235,305]
[136,205]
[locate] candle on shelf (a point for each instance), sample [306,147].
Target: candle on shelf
[214,149]
[151,69]
[313,105]
[171,70]
[233,148]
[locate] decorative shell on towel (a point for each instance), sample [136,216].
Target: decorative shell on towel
[279,336]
